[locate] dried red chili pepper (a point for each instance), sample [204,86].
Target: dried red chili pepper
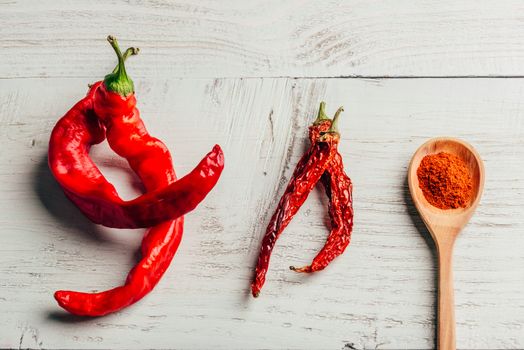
[83,183]
[149,158]
[307,173]
[339,190]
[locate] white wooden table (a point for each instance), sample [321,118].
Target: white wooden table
[249,75]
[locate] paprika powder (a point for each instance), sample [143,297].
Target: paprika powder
[445,181]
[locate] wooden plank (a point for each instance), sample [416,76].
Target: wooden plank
[208,39]
[380,294]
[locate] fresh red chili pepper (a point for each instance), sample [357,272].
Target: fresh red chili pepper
[158,249]
[307,173]
[339,190]
[149,158]
[86,124]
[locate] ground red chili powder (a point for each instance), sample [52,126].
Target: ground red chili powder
[445,181]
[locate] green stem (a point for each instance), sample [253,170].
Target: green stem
[321,114]
[129,52]
[118,81]
[333,129]
[334,123]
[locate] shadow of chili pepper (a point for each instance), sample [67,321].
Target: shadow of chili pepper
[54,200]
[423,231]
[65,317]
[123,170]
[63,210]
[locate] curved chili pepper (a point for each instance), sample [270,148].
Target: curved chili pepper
[158,249]
[161,242]
[307,173]
[83,183]
[339,189]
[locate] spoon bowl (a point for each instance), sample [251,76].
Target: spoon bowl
[445,224]
[451,221]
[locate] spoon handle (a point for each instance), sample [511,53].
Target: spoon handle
[446,304]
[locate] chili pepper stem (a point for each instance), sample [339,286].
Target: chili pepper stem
[321,114]
[118,81]
[334,123]
[131,51]
[333,129]
[300,269]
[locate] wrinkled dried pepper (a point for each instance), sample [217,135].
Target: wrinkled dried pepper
[323,133]
[339,189]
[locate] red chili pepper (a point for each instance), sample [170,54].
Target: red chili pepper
[86,124]
[341,213]
[149,158]
[158,249]
[339,189]
[307,173]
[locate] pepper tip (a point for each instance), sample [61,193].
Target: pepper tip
[61,297]
[300,269]
[218,154]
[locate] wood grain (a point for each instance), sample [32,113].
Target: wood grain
[380,294]
[261,38]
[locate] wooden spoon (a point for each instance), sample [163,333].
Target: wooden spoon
[445,225]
